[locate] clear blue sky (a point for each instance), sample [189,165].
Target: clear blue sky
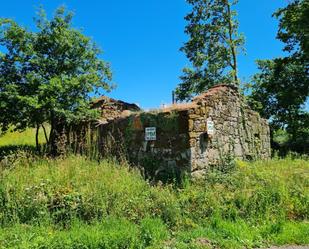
[141,39]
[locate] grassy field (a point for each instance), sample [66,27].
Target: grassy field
[24,138]
[13,141]
[76,203]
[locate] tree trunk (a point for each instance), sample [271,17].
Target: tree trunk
[45,134]
[37,138]
[232,45]
[57,138]
[52,144]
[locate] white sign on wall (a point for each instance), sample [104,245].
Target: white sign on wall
[150,134]
[210,127]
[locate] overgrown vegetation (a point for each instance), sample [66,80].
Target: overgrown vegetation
[85,204]
[46,76]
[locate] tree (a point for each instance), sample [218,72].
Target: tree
[212,49]
[48,75]
[281,88]
[294,29]
[279,91]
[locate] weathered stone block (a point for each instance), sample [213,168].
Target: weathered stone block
[191,125]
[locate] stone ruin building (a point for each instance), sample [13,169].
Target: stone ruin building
[111,109]
[186,138]
[82,137]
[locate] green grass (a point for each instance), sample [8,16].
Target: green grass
[76,203]
[14,143]
[83,203]
[24,138]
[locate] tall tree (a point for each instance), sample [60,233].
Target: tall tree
[48,75]
[294,29]
[212,49]
[281,88]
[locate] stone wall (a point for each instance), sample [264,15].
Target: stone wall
[239,131]
[183,142]
[168,156]
[111,108]
[82,137]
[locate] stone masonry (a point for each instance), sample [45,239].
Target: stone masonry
[189,137]
[110,108]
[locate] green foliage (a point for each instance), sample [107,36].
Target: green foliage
[279,92]
[285,143]
[83,204]
[281,88]
[294,29]
[48,74]
[212,48]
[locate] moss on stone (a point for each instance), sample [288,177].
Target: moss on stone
[167,122]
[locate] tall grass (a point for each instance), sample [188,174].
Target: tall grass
[76,203]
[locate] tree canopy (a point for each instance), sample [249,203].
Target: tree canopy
[48,74]
[294,29]
[281,88]
[212,48]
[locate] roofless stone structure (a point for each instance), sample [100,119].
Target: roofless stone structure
[189,137]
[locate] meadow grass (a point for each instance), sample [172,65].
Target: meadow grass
[77,203]
[20,138]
